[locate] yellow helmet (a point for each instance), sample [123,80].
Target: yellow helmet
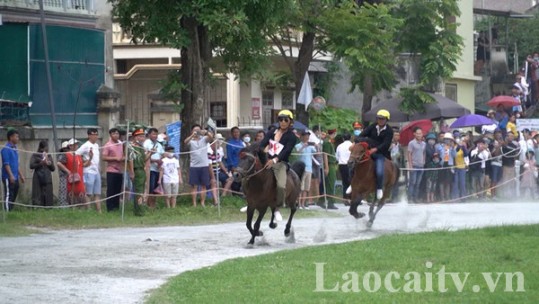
[286,113]
[383,114]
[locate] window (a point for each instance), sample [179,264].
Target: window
[218,113]
[451,91]
[288,100]
[121,66]
[267,99]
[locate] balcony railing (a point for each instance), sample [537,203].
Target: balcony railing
[68,6]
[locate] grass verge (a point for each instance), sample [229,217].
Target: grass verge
[23,221]
[291,276]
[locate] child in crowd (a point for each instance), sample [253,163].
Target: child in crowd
[171,176]
[431,174]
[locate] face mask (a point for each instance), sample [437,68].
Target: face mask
[435,160]
[457,140]
[447,141]
[247,139]
[170,155]
[431,142]
[357,132]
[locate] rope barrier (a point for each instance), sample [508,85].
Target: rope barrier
[209,190]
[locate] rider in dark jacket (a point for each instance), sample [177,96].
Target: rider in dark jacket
[381,136]
[281,142]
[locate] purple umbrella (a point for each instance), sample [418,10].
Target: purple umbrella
[471,120]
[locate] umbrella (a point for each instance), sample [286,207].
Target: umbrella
[442,107]
[297,125]
[392,105]
[407,132]
[506,101]
[471,120]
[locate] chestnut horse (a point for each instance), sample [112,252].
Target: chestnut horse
[260,188]
[364,180]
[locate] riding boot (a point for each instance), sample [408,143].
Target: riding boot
[281,197]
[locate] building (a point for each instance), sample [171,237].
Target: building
[78,43]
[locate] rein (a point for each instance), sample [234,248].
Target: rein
[252,166]
[366,155]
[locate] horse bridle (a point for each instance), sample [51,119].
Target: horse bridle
[252,166]
[363,157]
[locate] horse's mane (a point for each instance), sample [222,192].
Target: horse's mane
[371,143]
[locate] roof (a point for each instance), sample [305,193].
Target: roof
[502,8]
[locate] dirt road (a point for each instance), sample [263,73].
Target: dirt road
[123,265]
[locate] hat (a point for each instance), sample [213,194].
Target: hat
[435,154]
[138,132]
[65,144]
[357,124]
[219,136]
[169,148]
[431,136]
[332,131]
[448,136]
[72,141]
[305,132]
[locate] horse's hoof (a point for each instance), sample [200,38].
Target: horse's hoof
[357,215]
[273,225]
[260,233]
[287,233]
[369,224]
[251,244]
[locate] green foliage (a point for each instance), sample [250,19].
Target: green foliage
[324,81]
[429,29]
[237,30]
[414,100]
[364,38]
[333,118]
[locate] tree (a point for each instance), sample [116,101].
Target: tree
[368,35]
[430,31]
[314,27]
[222,35]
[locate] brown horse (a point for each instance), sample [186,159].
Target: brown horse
[259,186]
[364,180]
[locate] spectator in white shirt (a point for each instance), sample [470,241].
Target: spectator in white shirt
[342,154]
[92,178]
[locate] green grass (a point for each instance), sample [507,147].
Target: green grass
[23,221]
[290,276]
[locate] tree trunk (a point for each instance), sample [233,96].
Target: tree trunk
[194,73]
[367,95]
[301,66]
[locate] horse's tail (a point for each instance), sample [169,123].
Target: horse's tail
[299,168]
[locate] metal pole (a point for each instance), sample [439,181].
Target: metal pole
[4,203]
[48,71]
[125,168]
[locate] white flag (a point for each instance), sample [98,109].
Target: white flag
[306,93]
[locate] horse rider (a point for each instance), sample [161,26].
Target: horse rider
[381,135]
[281,142]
